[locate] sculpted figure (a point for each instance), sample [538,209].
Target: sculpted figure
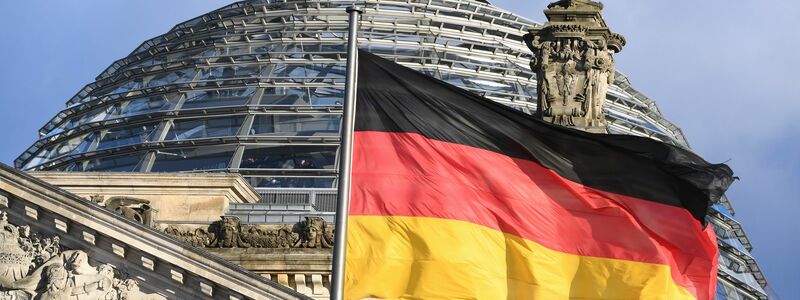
[36,268]
[313,234]
[14,261]
[135,209]
[228,234]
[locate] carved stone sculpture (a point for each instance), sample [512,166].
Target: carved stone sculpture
[135,209]
[33,267]
[313,232]
[228,234]
[197,237]
[282,237]
[574,62]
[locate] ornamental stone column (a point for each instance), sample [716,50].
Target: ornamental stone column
[573,57]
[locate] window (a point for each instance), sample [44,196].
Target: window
[296,125]
[124,109]
[145,105]
[331,70]
[118,137]
[202,128]
[291,182]
[231,72]
[172,77]
[280,96]
[289,157]
[118,163]
[193,159]
[300,96]
[217,98]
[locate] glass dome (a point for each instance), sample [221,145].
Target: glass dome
[256,87]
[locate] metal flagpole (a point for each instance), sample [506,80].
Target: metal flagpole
[345,157]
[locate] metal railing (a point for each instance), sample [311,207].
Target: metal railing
[320,200]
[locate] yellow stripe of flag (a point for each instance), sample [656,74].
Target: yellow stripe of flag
[393,257]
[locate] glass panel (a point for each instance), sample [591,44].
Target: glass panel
[172,77]
[119,137]
[68,146]
[285,96]
[86,144]
[230,72]
[216,98]
[289,157]
[331,70]
[95,115]
[125,109]
[291,182]
[720,295]
[119,163]
[327,96]
[202,128]
[191,159]
[39,158]
[134,84]
[296,125]
[146,105]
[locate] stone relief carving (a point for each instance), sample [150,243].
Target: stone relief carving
[135,209]
[197,237]
[36,267]
[313,232]
[574,62]
[228,234]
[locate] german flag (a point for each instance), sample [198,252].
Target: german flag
[457,197]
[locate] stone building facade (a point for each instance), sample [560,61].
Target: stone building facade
[55,244]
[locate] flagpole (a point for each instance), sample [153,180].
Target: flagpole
[345,157]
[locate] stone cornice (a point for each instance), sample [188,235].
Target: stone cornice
[232,185]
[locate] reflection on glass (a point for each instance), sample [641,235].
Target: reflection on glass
[146,105]
[118,137]
[301,96]
[229,72]
[66,147]
[217,98]
[296,125]
[172,77]
[289,157]
[296,96]
[191,159]
[125,109]
[118,163]
[291,182]
[203,128]
[330,70]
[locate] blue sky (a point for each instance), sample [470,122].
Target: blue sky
[724,71]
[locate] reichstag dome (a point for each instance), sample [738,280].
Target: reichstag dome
[256,88]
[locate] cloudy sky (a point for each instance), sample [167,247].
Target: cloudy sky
[722,70]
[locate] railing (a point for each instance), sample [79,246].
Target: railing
[321,200]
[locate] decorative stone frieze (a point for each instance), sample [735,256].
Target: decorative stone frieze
[313,232]
[574,62]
